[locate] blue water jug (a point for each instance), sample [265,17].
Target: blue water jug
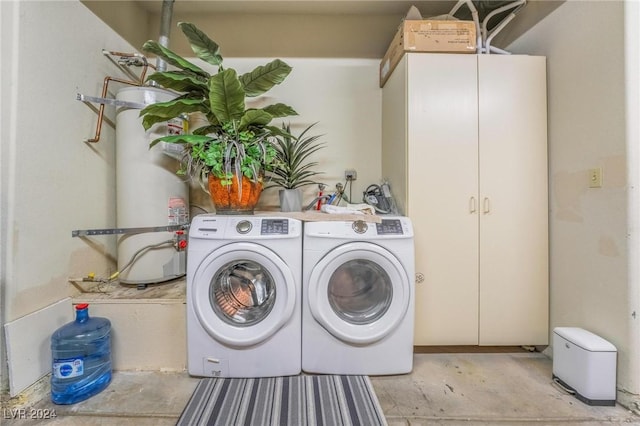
[81,352]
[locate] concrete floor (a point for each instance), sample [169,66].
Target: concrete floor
[444,389]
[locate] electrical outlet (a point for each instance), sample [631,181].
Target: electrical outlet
[350,174]
[595,178]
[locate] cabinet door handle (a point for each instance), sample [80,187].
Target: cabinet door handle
[486,205]
[472,205]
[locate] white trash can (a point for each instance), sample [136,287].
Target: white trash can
[586,364]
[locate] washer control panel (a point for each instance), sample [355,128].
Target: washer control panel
[274,227]
[213,227]
[389,227]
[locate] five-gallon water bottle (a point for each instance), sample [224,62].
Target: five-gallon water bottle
[81,352]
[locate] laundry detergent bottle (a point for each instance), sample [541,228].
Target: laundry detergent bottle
[81,352]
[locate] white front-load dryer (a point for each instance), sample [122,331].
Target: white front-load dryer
[244,296]
[358,297]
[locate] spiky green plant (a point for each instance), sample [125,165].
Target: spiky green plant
[237,140]
[292,169]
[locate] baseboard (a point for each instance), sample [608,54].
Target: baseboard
[29,344]
[467,349]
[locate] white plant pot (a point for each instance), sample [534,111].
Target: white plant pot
[290,200]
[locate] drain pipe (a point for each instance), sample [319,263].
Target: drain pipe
[165,28]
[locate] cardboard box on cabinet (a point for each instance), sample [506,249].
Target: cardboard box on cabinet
[425,35]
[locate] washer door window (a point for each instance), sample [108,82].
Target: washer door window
[359,292]
[243,293]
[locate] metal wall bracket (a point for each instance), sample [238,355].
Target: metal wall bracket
[119,231]
[90,100]
[110,101]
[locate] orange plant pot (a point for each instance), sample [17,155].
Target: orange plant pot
[227,199]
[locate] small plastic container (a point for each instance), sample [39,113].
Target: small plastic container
[81,352]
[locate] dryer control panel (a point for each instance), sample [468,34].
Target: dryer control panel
[388,228]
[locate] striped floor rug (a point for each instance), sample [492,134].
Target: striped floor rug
[295,400]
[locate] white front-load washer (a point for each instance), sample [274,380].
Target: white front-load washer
[358,297]
[244,296]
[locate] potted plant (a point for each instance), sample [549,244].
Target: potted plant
[231,152]
[292,170]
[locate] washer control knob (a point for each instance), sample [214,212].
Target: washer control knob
[243,226]
[360,226]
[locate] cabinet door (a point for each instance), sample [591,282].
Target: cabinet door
[513,192]
[442,122]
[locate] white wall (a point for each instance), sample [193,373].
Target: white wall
[55,182]
[52,182]
[589,283]
[343,96]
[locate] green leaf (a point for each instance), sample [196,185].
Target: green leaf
[254,117]
[183,139]
[163,111]
[204,48]
[264,77]
[178,81]
[279,110]
[175,107]
[172,58]
[149,120]
[276,131]
[205,130]
[226,96]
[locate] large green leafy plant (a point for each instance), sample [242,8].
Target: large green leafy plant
[236,139]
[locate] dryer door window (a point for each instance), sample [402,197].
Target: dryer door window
[242,293]
[360,291]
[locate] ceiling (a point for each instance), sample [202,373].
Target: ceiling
[330,7]
[294,28]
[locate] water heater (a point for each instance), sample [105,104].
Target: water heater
[148,192]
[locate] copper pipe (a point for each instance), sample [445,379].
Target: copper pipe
[133,55]
[105,86]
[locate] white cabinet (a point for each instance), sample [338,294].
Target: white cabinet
[464,148]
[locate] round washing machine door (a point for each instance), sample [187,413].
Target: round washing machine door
[242,293]
[359,292]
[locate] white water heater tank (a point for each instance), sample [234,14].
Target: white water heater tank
[148,191]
